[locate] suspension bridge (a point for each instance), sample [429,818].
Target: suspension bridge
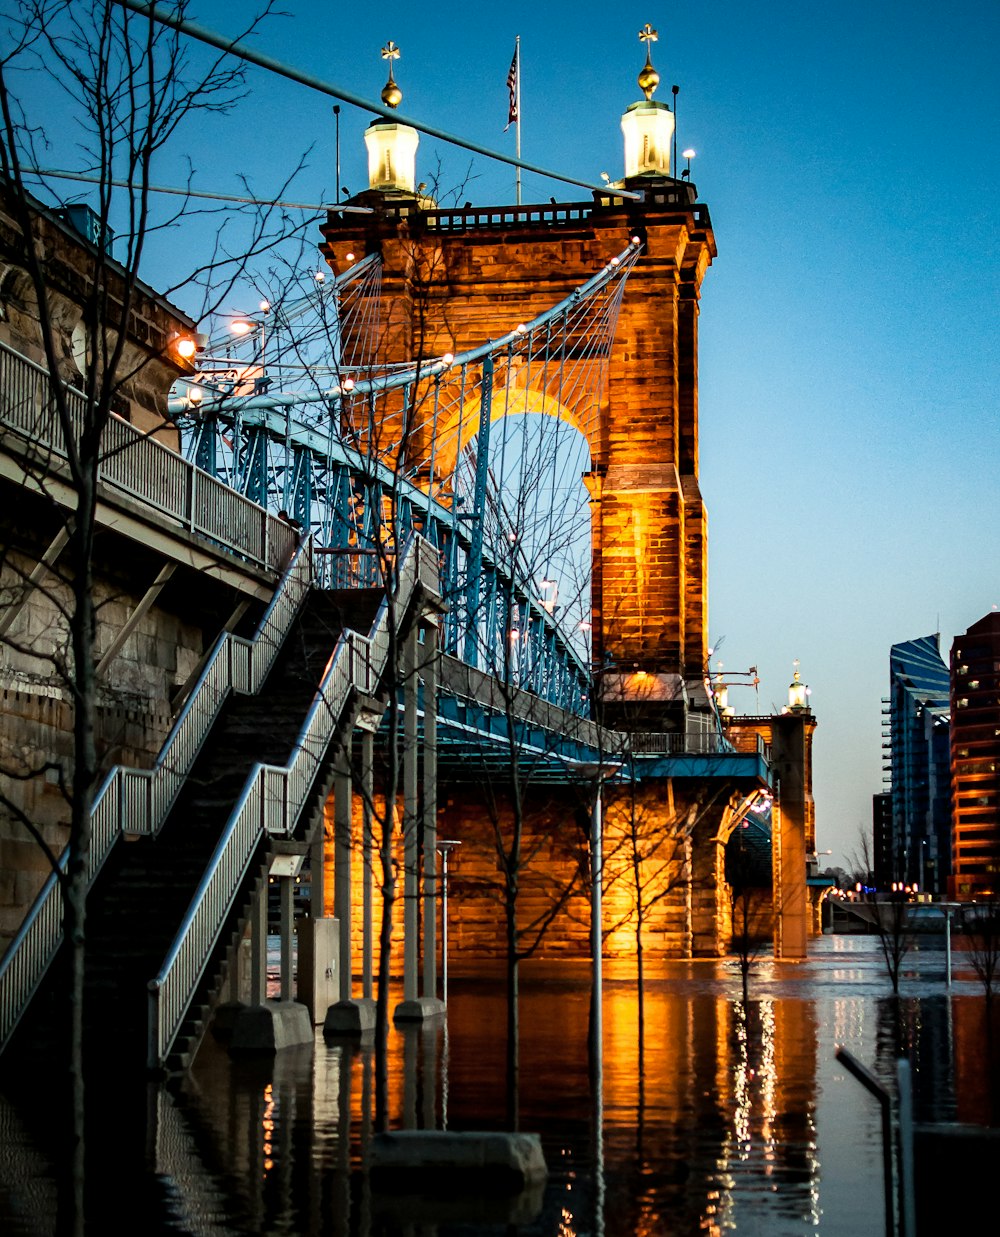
[438,495]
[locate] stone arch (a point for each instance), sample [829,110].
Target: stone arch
[516,392]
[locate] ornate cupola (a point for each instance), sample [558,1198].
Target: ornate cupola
[798,693]
[648,126]
[392,148]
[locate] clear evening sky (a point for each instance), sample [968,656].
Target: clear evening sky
[849,369]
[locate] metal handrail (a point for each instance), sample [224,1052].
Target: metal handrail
[272,802]
[141,468]
[136,801]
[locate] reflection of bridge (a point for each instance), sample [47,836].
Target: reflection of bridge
[460,598]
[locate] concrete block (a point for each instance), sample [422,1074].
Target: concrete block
[354,1017]
[474,1157]
[422,1008]
[271,1027]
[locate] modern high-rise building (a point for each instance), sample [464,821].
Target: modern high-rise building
[975,759]
[919,763]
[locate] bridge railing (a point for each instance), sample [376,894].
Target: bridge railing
[138,466]
[136,801]
[273,800]
[679,743]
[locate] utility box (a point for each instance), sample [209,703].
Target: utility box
[319,971]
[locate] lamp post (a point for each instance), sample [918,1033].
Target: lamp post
[445,847]
[720,685]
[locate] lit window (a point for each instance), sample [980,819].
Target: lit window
[973,683]
[963,703]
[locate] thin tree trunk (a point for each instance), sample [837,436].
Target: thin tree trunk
[640,980]
[75,885]
[513,1015]
[384,976]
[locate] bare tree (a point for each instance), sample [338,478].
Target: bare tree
[982,921]
[124,87]
[888,910]
[540,837]
[647,859]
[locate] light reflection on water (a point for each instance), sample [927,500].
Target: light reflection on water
[737,1118]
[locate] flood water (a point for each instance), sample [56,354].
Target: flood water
[739,1118]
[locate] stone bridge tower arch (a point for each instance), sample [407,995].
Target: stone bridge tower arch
[453,279]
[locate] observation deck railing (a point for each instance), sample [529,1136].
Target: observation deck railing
[137,466]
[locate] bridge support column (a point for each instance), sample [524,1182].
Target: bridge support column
[286,888]
[789,841]
[411,807]
[429,672]
[413,1007]
[342,869]
[346,1016]
[258,946]
[368,857]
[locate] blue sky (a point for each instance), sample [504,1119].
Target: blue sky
[849,355]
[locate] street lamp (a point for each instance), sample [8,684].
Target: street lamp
[721,684]
[445,846]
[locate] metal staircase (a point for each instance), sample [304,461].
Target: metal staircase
[234,773]
[148,885]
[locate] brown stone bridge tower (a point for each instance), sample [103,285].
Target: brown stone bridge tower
[454,279]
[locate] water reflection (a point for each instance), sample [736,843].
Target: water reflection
[738,1118]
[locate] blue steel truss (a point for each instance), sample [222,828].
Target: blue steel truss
[321,456]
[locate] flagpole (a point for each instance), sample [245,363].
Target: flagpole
[517,125]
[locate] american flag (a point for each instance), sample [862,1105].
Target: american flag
[512,73]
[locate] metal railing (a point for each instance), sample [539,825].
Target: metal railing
[139,467]
[678,743]
[136,801]
[273,799]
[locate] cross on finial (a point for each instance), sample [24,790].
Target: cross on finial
[648,79]
[392,96]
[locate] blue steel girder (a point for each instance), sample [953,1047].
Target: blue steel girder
[748,769]
[300,493]
[341,495]
[255,466]
[479,510]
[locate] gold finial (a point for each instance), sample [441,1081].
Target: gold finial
[649,79]
[392,96]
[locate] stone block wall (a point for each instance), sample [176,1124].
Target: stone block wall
[134,712]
